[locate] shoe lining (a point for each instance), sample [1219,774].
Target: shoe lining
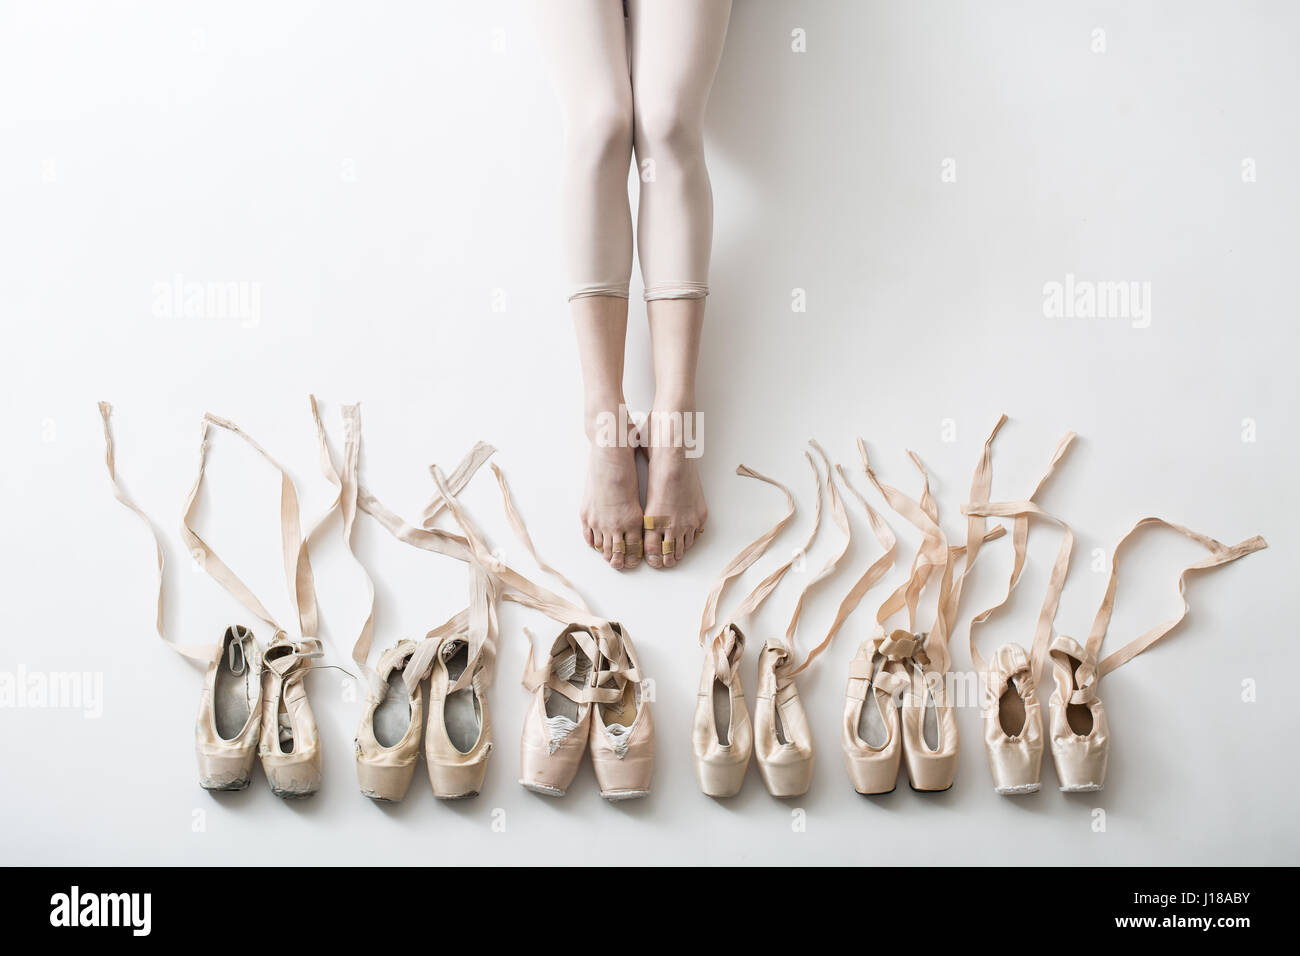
[722,712]
[622,711]
[778,726]
[285,727]
[393,715]
[1011,711]
[232,695]
[569,668]
[930,721]
[462,712]
[872,729]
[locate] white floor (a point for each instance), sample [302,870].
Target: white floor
[380,180]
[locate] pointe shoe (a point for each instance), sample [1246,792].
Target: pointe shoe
[557,726]
[388,740]
[929,726]
[622,732]
[1013,723]
[230,712]
[290,741]
[458,738]
[872,732]
[722,736]
[782,738]
[1079,732]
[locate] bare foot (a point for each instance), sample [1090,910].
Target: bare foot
[674,494]
[611,505]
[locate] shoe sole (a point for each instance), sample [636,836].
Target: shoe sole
[457,796]
[1018,791]
[914,790]
[614,796]
[238,785]
[542,789]
[877,793]
[1085,788]
[293,794]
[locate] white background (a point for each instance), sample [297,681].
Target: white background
[386,172]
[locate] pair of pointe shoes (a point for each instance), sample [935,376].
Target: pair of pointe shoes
[723,737]
[1013,721]
[896,711]
[254,705]
[589,696]
[457,734]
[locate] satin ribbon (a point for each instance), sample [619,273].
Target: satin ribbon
[728,643]
[198,653]
[979,508]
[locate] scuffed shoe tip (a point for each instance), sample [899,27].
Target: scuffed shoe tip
[542,789]
[1012,791]
[614,796]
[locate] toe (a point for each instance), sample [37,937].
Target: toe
[588,536]
[632,539]
[616,558]
[669,549]
[651,543]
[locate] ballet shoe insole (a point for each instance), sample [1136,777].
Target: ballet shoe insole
[462,713]
[1011,712]
[778,726]
[393,715]
[722,712]
[871,723]
[232,696]
[622,711]
[557,705]
[930,723]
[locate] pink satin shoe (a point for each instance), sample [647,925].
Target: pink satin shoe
[1013,722]
[458,739]
[230,712]
[557,727]
[1080,735]
[622,732]
[290,741]
[783,739]
[872,735]
[722,738]
[388,739]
